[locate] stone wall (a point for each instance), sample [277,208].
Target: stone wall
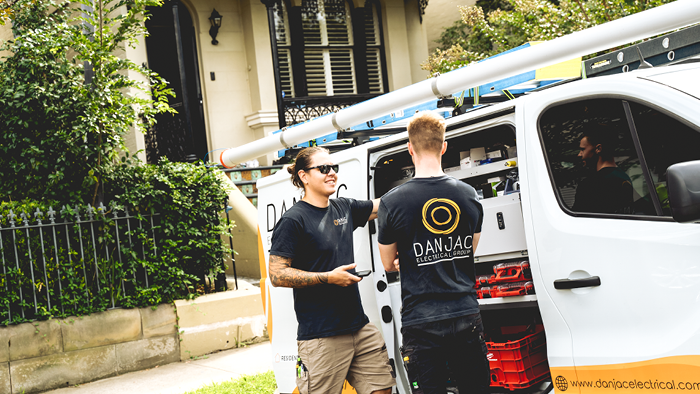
[63,352]
[46,355]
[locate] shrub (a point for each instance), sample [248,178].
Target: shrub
[61,126]
[76,267]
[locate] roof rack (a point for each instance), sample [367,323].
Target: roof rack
[676,47]
[663,50]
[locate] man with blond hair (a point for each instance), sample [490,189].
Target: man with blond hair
[434,222]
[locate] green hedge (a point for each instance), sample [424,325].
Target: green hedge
[171,242]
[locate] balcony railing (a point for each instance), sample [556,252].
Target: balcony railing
[301,109]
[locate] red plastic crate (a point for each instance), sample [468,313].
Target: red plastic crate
[518,364]
[512,272]
[512,289]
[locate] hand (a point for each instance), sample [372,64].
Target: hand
[341,277]
[396,262]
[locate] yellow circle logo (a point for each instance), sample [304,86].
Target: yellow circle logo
[440,215]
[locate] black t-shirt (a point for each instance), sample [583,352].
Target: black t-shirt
[609,190]
[433,220]
[320,240]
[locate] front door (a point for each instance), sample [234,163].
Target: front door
[172,53]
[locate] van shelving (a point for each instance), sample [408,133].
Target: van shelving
[495,311]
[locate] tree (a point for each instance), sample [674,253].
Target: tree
[483,34]
[62,127]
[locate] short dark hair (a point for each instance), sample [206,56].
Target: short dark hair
[426,132]
[302,161]
[605,136]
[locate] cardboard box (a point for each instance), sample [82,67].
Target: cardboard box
[477,154]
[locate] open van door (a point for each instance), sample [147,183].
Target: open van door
[626,281]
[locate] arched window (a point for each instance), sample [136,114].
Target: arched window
[327,48]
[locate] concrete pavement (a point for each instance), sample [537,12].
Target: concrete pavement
[184,376]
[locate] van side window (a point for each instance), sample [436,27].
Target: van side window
[593,160]
[665,141]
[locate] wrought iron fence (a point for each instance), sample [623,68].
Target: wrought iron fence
[75,261]
[301,109]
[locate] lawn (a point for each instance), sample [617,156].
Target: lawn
[262,383]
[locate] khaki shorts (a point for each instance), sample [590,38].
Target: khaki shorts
[361,358]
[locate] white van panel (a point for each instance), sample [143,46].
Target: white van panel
[648,305]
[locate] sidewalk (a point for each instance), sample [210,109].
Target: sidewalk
[184,376]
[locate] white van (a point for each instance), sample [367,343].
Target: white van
[618,295]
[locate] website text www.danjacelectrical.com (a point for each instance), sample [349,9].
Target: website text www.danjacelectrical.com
[562,384]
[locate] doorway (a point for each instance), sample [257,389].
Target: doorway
[172,53]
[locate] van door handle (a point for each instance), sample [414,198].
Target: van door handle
[565,284]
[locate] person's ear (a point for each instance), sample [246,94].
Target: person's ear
[302,176]
[410,149]
[598,148]
[444,148]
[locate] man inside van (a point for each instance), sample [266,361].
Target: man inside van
[434,223]
[607,189]
[312,252]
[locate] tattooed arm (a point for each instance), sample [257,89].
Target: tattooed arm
[283,275]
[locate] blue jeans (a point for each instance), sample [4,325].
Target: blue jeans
[452,349]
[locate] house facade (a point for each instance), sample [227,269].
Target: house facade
[271,64]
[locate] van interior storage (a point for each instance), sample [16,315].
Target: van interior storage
[486,159]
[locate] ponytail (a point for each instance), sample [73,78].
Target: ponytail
[303,160]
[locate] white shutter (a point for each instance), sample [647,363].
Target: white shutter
[311,19]
[343,71]
[314,62]
[285,70]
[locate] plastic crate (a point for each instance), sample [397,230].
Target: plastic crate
[512,272]
[512,289]
[483,292]
[483,280]
[518,364]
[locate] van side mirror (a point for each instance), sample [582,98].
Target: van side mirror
[684,191]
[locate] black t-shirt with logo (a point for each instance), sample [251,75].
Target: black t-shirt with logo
[320,240]
[433,221]
[609,190]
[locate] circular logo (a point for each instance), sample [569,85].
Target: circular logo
[561,383]
[440,216]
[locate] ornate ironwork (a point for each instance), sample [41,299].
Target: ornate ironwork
[168,138]
[301,109]
[422,5]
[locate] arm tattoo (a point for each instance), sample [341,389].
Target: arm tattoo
[282,274]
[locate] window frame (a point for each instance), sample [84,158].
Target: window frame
[624,100]
[297,48]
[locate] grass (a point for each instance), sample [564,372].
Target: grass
[262,383]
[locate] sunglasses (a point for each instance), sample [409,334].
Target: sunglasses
[325,168]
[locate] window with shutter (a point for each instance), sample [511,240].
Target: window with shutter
[328,49]
[317,42]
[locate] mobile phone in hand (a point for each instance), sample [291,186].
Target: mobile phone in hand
[362,274]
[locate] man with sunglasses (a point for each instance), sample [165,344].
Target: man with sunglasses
[312,252]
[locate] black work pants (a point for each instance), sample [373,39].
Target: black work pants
[451,349]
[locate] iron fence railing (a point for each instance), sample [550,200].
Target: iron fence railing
[75,260]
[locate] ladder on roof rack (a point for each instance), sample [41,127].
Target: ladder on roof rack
[669,48]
